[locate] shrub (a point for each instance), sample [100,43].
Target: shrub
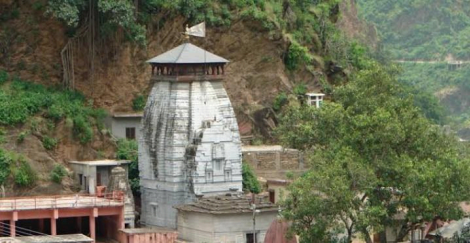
[21,136]
[82,129]
[250,182]
[127,149]
[138,104]
[49,143]
[58,173]
[296,55]
[3,77]
[300,90]
[5,162]
[280,101]
[23,174]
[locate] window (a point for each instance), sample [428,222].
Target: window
[250,238]
[80,178]
[130,132]
[208,176]
[228,176]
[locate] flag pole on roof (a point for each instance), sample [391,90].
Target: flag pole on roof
[198,30]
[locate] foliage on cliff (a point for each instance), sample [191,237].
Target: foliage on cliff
[128,150]
[421,29]
[373,156]
[20,100]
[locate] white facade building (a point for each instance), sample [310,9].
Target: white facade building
[314,99]
[190,142]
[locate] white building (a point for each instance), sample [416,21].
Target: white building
[125,125]
[93,176]
[190,141]
[227,218]
[314,99]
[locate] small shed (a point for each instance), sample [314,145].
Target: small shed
[90,174]
[314,99]
[125,125]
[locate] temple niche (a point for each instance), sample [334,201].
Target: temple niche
[190,145]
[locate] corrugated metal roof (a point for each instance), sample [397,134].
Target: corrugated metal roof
[187,53]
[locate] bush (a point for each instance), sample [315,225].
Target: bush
[127,149]
[49,143]
[58,173]
[250,182]
[300,90]
[280,101]
[21,136]
[82,129]
[296,55]
[5,162]
[3,77]
[23,174]
[138,104]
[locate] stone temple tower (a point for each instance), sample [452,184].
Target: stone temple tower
[190,145]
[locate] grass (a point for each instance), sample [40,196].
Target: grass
[21,100]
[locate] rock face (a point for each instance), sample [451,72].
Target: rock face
[119,182]
[190,143]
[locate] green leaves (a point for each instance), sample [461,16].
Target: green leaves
[250,182]
[372,156]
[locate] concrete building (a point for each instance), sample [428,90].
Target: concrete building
[125,125]
[190,143]
[277,189]
[100,176]
[90,174]
[227,218]
[64,214]
[314,99]
[274,161]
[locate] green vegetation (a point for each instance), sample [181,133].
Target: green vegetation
[296,55]
[21,100]
[15,167]
[23,174]
[128,150]
[250,182]
[49,143]
[58,173]
[373,155]
[421,29]
[138,104]
[280,101]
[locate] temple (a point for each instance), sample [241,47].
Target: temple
[190,145]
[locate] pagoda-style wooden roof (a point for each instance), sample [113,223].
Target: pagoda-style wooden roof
[187,53]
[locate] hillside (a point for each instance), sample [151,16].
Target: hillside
[273,47]
[426,37]
[421,29]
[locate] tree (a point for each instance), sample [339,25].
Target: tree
[250,182]
[376,162]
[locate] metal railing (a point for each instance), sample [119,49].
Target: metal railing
[115,198]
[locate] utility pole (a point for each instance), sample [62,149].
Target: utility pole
[253,207]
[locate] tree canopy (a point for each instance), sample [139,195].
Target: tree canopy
[375,160]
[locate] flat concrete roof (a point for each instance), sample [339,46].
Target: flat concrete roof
[107,162]
[79,238]
[51,202]
[128,115]
[315,94]
[147,230]
[262,148]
